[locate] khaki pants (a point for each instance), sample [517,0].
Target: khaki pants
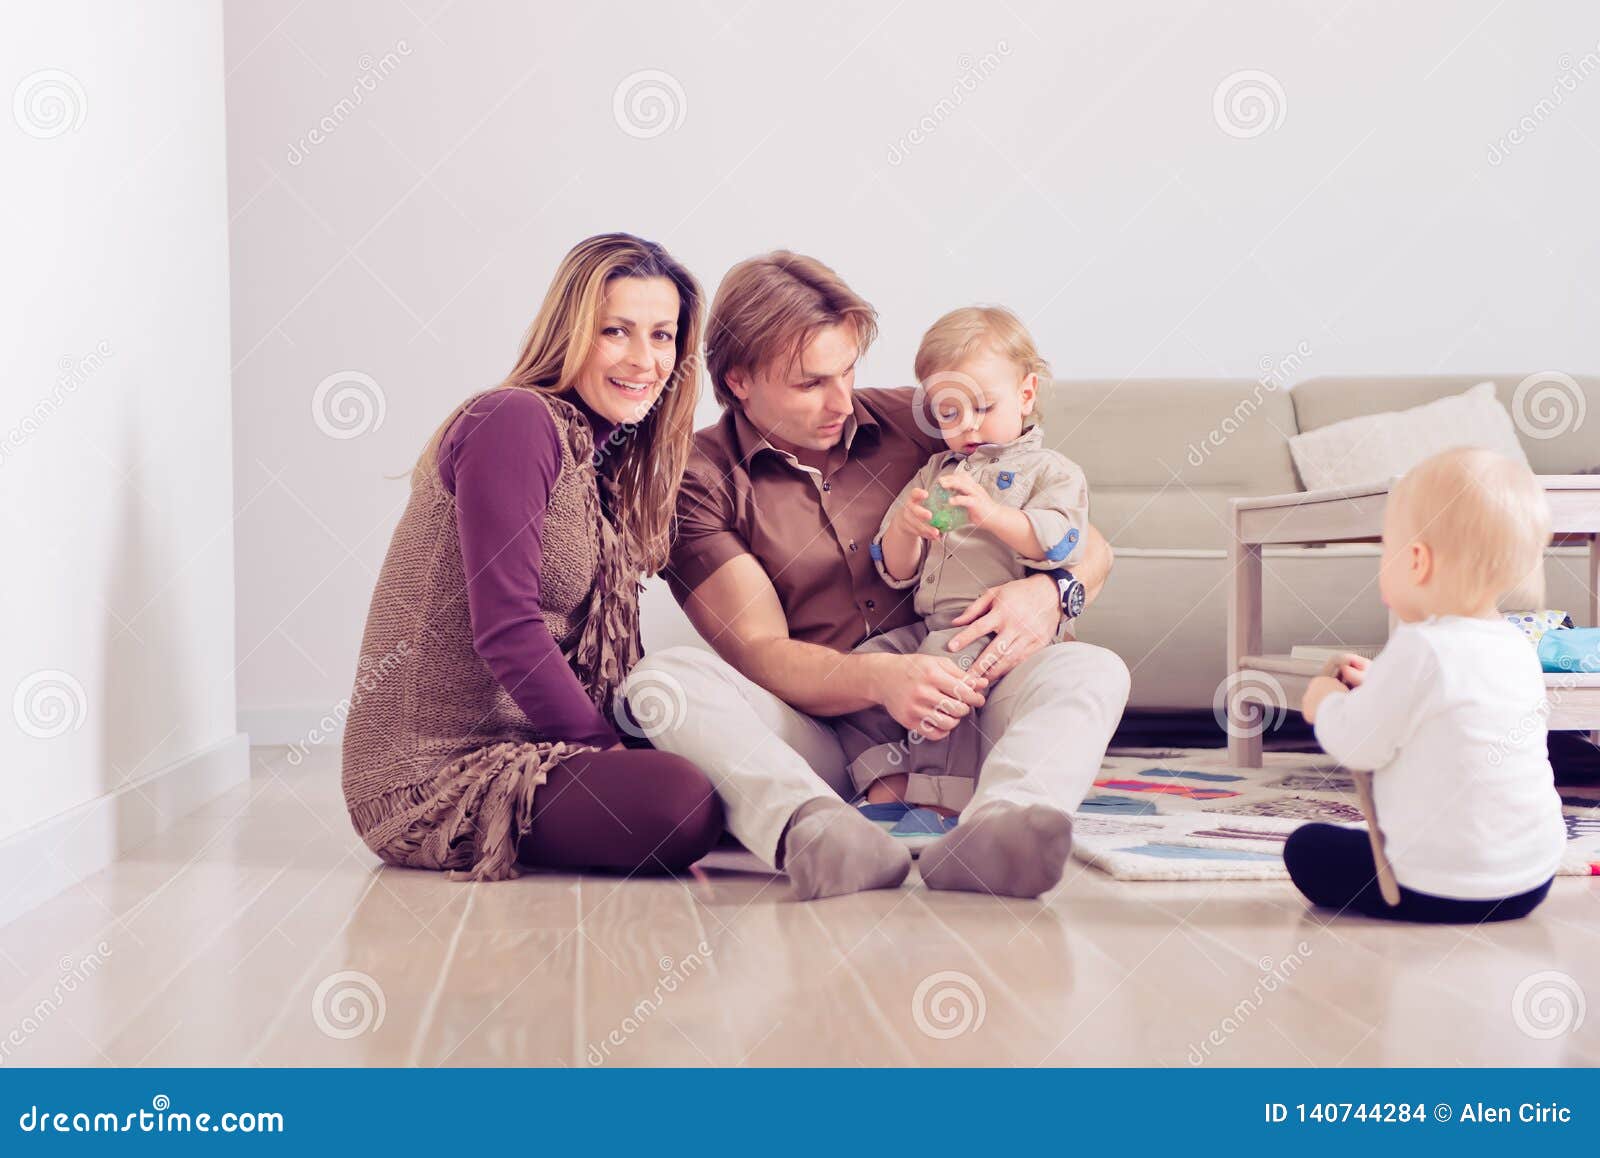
[1042,733]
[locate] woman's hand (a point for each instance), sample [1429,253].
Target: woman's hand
[914,518]
[968,493]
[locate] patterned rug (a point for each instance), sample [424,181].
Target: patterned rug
[1184,814]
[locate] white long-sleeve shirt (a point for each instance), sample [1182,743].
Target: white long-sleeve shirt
[1451,720]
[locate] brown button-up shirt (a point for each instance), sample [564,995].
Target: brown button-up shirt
[811,530]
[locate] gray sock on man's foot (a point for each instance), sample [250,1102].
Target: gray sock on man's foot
[1011,849]
[830,849]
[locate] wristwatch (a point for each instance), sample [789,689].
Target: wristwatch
[1072,591]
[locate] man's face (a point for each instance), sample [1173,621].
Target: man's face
[801,405]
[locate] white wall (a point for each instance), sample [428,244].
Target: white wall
[115,449]
[1083,176]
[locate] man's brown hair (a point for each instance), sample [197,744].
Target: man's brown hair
[768,307]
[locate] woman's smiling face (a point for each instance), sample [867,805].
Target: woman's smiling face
[634,348]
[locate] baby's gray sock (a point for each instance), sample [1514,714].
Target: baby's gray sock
[1010,849]
[830,849]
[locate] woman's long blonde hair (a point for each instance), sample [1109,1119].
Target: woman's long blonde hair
[654,449]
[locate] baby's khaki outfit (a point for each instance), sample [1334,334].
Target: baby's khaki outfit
[956,569]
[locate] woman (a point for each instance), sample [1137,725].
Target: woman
[480,734]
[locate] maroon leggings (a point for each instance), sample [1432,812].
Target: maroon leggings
[631,809]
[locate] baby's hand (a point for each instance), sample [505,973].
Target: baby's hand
[967,492]
[915,518]
[1348,668]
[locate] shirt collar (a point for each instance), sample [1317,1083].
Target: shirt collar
[1031,438]
[749,441]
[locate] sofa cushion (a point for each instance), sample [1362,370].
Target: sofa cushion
[1377,447]
[1557,418]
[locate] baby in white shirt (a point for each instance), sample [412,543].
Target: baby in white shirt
[1451,716]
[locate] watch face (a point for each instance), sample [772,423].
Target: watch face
[1072,597]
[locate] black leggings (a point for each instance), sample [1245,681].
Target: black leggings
[1333,867]
[634,810]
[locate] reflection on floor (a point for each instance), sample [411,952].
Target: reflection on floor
[260,931]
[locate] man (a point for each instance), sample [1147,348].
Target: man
[779,506]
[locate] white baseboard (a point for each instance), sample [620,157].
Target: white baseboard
[55,854]
[286,725]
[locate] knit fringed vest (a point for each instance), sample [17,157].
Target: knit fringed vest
[440,765]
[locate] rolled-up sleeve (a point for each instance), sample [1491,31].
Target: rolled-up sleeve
[705,535]
[1058,511]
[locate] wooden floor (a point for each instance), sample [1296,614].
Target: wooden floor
[260,931]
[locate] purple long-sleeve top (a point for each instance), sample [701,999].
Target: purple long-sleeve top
[500,461]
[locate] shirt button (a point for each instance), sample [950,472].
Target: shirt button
[827,486]
[871,605]
[852,544]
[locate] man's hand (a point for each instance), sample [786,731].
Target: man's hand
[1320,688]
[1021,615]
[926,693]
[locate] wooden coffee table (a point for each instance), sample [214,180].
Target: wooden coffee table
[1355,515]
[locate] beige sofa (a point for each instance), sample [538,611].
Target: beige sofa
[1164,457]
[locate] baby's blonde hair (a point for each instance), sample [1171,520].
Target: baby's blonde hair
[951,339]
[1486,520]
